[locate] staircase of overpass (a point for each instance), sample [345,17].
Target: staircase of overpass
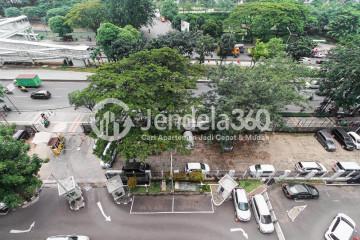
[28,49]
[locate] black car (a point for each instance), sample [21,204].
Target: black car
[324,137]
[300,191]
[134,166]
[344,138]
[41,94]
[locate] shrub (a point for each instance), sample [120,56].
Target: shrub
[132,182]
[196,176]
[12,12]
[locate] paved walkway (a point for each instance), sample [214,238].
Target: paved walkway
[44,74]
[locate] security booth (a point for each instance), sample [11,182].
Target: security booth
[118,191]
[72,192]
[57,144]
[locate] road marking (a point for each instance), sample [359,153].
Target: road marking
[173,202]
[240,230]
[107,218]
[24,231]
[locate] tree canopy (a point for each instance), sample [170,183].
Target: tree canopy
[265,20]
[158,80]
[58,25]
[130,12]
[342,76]
[89,14]
[18,170]
[169,9]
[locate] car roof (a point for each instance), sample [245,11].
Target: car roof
[310,164]
[354,134]
[343,230]
[262,206]
[241,194]
[41,91]
[193,165]
[267,167]
[350,165]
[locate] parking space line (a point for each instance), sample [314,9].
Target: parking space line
[170,212]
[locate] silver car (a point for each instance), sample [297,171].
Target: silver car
[241,204]
[68,237]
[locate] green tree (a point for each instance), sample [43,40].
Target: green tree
[205,46]
[302,47]
[184,42]
[157,80]
[118,42]
[18,170]
[265,20]
[62,11]
[12,12]
[169,9]
[344,23]
[260,50]
[89,14]
[269,86]
[213,28]
[226,44]
[342,76]
[275,47]
[58,25]
[33,13]
[130,12]
[227,5]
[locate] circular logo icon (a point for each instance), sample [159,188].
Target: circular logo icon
[106,127]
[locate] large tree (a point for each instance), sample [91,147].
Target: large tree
[118,42]
[18,170]
[157,80]
[269,86]
[169,9]
[265,20]
[205,46]
[342,76]
[58,25]
[89,14]
[301,47]
[130,12]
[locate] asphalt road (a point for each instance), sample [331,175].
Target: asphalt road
[52,217]
[313,222]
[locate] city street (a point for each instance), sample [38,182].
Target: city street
[52,217]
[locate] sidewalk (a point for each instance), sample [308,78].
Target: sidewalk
[44,74]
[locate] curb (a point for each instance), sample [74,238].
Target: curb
[278,229]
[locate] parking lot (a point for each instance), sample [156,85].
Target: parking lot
[315,219]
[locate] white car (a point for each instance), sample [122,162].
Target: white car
[68,237]
[241,204]
[203,167]
[341,228]
[262,214]
[355,138]
[307,167]
[261,170]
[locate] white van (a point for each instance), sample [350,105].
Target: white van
[262,214]
[348,167]
[261,170]
[189,137]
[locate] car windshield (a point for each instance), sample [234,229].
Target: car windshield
[298,189]
[265,219]
[243,206]
[330,142]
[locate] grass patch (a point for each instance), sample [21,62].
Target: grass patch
[155,187]
[250,184]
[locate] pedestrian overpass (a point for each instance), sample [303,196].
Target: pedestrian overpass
[29,50]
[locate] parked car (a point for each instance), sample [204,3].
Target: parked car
[300,191]
[41,94]
[109,156]
[189,137]
[261,170]
[354,180]
[341,228]
[262,214]
[203,167]
[135,166]
[348,168]
[68,237]
[355,138]
[325,139]
[3,209]
[343,138]
[241,204]
[307,167]
[21,135]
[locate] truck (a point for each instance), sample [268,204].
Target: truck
[28,80]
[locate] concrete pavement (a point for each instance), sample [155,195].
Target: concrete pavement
[53,217]
[44,74]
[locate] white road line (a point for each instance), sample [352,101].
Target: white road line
[180,212]
[24,231]
[240,230]
[173,202]
[132,203]
[107,218]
